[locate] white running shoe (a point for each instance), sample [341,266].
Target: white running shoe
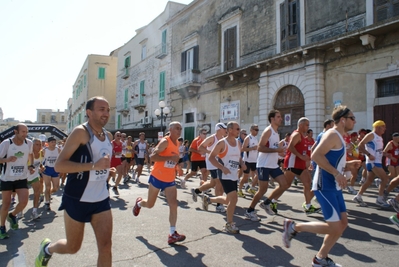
[267,208]
[252,216]
[358,199]
[220,209]
[183,184]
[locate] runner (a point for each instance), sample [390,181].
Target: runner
[267,165]
[33,179]
[228,150]
[15,152]
[328,183]
[372,146]
[129,161]
[392,159]
[50,176]
[142,152]
[86,159]
[206,147]
[250,150]
[162,177]
[352,154]
[116,160]
[197,159]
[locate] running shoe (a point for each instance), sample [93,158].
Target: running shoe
[115,190]
[394,203]
[295,181]
[267,208]
[41,199]
[380,202]
[35,215]
[271,183]
[352,191]
[136,208]
[162,193]
[325,262]
[13,221]
[19,215]
[220,208]
[273,206]
[125,179]
[288,232]
[252,191]
[231,228]
[12,200]
[311,209]
[47,206]
[252,216]
[362,181]
[194,195]
[3,233]
[359,200]
[138,180]
[377,182]
[183,184]
[175,238]
[205,202]
[240,194]
[394,219]
[43,258]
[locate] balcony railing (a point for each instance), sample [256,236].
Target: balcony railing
[188,77]
[139,103]
[161,50]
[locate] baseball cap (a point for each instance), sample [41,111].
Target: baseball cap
[51,138]
[395,134]
[354,134]
[42,137]
[220,125]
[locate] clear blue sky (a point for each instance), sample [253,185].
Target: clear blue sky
[44,43]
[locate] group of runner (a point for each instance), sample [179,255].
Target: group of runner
[91,155]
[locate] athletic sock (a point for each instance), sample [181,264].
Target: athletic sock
[172,230]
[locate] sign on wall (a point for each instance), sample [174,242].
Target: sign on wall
[287,119]
[230,110]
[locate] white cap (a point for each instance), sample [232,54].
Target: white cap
[220,125]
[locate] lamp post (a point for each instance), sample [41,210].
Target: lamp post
[162,112]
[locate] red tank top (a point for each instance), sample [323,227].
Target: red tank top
[394,151]
[116,148]
[304,148]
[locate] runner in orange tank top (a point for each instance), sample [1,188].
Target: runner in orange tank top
[165,156]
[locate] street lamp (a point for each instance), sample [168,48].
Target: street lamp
[162,112]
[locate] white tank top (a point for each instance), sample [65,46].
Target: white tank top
[269,160]
[17,170]
[375,147]
[142,149]
[209,165]
[251,156]
[50,157]
[231,160]
[36,164]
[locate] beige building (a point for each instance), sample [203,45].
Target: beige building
[54,117]
[97,77]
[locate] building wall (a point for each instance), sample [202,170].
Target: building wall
[54,117]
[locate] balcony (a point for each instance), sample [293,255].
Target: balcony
[186,83]
[123,109]
[125,74]
[161,50]
[139,103]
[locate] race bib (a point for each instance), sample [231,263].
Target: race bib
[17,171]
[233,166]
[170,164]
[396,152]
[98,175]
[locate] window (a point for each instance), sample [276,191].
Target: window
[43,118]
[162,86]
[388,87]
[289,24]
[62,118]
[230,48]
[79,118]
[163,50]
[125,104]
[143,52]
[189,117]
[385,9]
[119,121]
[142,84]
[101,73]
[84,81]
[189,59]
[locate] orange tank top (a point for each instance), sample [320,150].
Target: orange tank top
[165,170]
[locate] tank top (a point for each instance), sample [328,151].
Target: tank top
[36,163]
[323,180]
[291,160]
[269,160]
[89,186]
[394,151]
[50,156]
[129,151]
[230,158]
[117,148]
[142,147]
[18,170]
[251,156]
[165,170]
[375,147]
[209,165]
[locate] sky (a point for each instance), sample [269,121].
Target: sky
[44,43]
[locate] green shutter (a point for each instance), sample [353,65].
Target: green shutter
[119,121]
[162,86]
[164,41]
[84,81]
[101,73]
[126,98]
[79,118]
[127,62]
[142,84]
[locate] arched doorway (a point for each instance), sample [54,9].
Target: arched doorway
[290,102]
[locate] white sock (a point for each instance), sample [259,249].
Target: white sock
[308,206]
[139,204]
[172,230]
[34,209]
[46,249]
[274,201]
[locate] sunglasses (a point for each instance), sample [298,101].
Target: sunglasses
[353,118]
[257,130]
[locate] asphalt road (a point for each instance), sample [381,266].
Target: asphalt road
[370,240]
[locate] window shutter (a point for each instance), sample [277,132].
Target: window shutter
[231,47]
[183,61]
[196,57]
[127,62]
[126,98]
[142,92]
[162,85]
[283,26]
[226,56]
